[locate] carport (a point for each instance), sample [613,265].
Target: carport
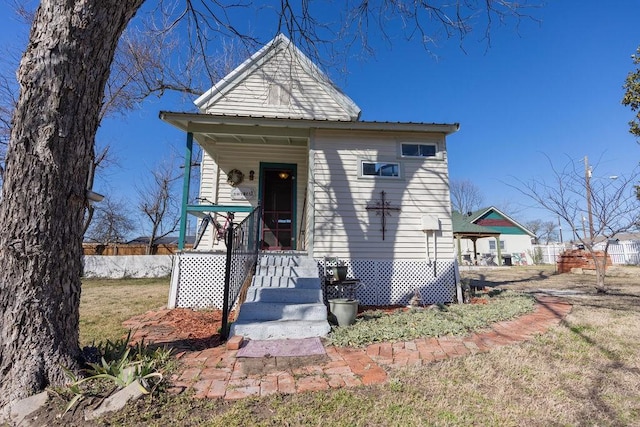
[464,229]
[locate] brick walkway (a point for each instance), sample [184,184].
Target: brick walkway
[217,373]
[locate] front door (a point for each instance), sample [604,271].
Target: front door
[278,200]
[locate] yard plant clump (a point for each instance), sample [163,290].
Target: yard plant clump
[112,366]
[433,321]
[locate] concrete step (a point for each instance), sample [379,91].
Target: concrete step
[286,282]
[287,261]
[284,301]
[284,295]
[260,311]
[281,329]
[270,270]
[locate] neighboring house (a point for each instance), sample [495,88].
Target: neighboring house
[496,238]
[277,132]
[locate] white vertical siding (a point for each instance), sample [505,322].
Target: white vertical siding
[280,87]
[343,225]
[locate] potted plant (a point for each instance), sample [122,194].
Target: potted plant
[344,310]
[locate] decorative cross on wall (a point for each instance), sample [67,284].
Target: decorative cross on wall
[382,208]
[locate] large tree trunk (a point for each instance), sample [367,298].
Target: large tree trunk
[62,77]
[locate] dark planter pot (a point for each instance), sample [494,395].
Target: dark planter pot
[341,272]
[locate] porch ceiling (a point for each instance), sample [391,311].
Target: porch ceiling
[473,236]
[210,130]
[230,135]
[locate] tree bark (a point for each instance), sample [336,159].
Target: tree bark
[601,271]
[62,77]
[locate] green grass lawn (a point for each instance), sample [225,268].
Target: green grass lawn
[586,371]
[105,304]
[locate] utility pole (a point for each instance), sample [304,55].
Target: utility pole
[587,178]
[560,229]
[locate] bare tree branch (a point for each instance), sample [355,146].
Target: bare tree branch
[112,222]
[615,207]
[544,230]
[101,161]
[465,196]
[158,202]
[72,45]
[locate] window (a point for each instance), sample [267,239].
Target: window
[492,245]
[279,95]
[383,169]
[419,150]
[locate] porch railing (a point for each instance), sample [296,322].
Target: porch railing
[243,245]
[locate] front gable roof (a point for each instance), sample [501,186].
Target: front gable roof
[492,217]
[279,81]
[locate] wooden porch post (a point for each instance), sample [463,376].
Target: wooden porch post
[475,251]
[459,251]
[185,190]
[499,260]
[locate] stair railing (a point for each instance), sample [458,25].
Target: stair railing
[243,245]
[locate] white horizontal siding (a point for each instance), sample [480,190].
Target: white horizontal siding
[245,158]
[208,190]
[343,225]
[208,177]
[303,96]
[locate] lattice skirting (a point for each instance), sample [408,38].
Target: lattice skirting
[396,282]
[198,281]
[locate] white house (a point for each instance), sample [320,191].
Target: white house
[277,132]
[503,241]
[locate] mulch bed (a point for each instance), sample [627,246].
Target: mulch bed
[385,308]
[200,329]
[188,329]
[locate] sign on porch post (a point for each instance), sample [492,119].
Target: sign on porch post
[243,193]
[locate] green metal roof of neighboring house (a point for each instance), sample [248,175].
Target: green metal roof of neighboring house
[464,227]
[499,221]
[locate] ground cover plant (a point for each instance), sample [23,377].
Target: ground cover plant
[583,372]
[432,321]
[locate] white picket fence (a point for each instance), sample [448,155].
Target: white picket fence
[625,253]
[549,253]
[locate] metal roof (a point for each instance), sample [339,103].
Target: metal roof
[190,122]
[463,227]
[481,212]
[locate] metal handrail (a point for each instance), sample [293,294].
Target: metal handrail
[243,245]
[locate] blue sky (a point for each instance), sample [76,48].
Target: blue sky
[549,88]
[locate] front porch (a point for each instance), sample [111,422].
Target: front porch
[245,165]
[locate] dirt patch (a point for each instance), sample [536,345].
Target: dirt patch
[621,283]
[182,329]
[529,278]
